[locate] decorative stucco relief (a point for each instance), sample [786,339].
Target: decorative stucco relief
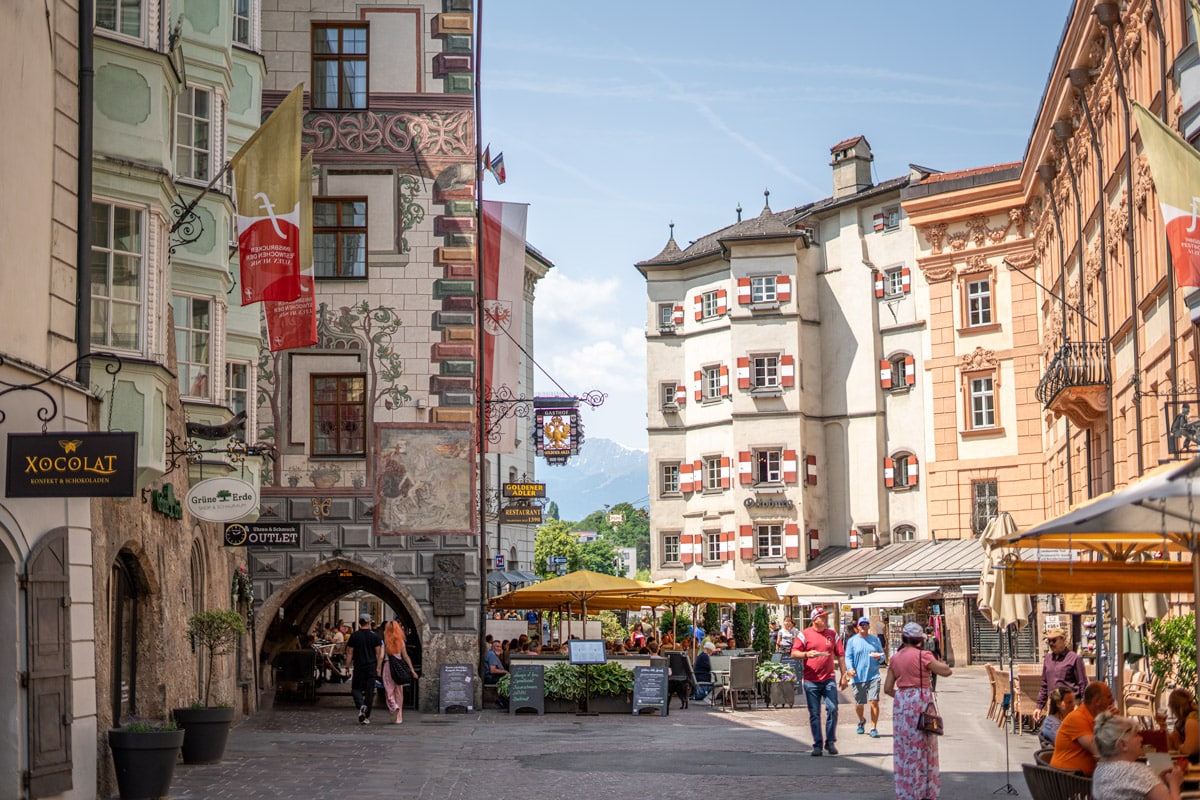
[1142,182]
[979,360]
[1118,222]
[934,234]
[372,132]
[976,232]
[938,273]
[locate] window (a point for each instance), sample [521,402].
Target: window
[904,533]
[900,471]
[709,305]
[711,383]
[768,466]
[193,141]
[666,317]
[117,265]
[712,473]
[670,548]
[712,547]
[768,541]
[339,65]
[668,392]
[979,302]
[338,414]
[985,505]
[764,372]
[670,479]
[193,329]
[120,16]
[763,289]
[241,22]
[983,401]
[237,389]
[123,636]
[899,367]
[891,218]
[893,282]
[340,238]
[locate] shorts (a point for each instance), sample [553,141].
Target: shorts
[866,691]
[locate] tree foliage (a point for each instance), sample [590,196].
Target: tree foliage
[762,630]
[741,624]
[552,510]
[1171,651]
[712,619]
[554,539]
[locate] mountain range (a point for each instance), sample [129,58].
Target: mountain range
[604,473]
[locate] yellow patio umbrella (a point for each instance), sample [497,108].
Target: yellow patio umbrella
[694,591]
[575,588]
[764,592]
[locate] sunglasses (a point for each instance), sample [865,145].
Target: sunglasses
[1054,640]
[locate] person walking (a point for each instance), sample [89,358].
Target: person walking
[399,664]
[365,652]
[914,752]
[821,650]
[864,651]
[1062,666]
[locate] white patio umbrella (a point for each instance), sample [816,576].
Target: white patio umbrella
[999,606]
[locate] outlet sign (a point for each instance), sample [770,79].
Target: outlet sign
[221,499]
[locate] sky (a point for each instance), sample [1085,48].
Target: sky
[618,118]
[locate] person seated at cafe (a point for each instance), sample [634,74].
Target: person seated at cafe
[493,665]
[1119,775]
[668,641]
[1062,703]
[652,647]
[638,638]
[535,644]
[1075,746]
[1185,738]
[702,669]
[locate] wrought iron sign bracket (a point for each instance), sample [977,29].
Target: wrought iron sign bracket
[501,404]
[47,413]
[188,227]
[190,451]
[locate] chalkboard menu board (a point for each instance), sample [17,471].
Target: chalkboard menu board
[650,689]
[456,687]
[526,688]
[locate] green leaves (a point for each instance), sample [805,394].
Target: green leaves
[1171,651]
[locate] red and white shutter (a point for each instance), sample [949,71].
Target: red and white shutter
[885,373]
[791,540]
[906,280]
[680,394]
[685,479]
[745,467]
[878,287]
[726,473]
[746,541]
[910,376]
[810,469]
[685,548]
[877,221]
[789,466]
[787,371]
[698,306]
[697,476]
[743,291]
[727,543]
[743,372]
[698,384]
[889,473]
[854,538]
[677,315]
[722,302]
[783,288]
[913,471]
[724,375]
[814,543]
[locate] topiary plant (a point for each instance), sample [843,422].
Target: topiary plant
[741,624]
[762,631]
[216,632]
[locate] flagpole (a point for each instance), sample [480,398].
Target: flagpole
[187,210]
[480,407]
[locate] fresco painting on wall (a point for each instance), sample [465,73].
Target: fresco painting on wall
[424,482]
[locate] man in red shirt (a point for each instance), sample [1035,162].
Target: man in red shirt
[821,649]
[1075,746]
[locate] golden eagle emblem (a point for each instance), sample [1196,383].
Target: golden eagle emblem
[69,445]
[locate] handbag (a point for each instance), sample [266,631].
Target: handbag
[929,721]
[401,674]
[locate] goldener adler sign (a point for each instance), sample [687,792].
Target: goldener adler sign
[71,465]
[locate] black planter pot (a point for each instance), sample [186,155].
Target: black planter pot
[144,762]
[206,732]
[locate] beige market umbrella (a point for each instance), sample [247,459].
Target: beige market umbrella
[695,591]
[765,593]
[1001,607]
[809,594]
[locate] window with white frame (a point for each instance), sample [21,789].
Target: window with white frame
[768,540]
[979,302]
[193,334]
[712,546]
[891,218]
[237,388]
[666,317]
[670,548]
[709,304]
[893,282]
[339,65]
[712,473]
[899,372]
[711,383]
[768,466]
[904,533]
[117,275]
[763,289]
[193,134]
[983,401]
[902,464]
[764,372]
[121,16]
[668,393]
[670,478]
[241,22]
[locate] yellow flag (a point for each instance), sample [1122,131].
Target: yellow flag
[266,175]
[1175,167]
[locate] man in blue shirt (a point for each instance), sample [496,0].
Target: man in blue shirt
[863,654]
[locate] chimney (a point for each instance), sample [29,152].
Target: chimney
[851,166]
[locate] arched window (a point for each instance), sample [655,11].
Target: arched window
[198,605]
[904,533]
[124,616]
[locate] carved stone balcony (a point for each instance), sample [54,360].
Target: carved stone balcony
[1076,383]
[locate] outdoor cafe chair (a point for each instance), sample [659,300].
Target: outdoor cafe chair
[743,686]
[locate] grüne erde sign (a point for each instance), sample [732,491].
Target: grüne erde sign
[72,464]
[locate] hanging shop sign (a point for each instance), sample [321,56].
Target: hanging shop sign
[556,434]
[524,490]
[521,515]
[276,534]
[165,502]
[222,499]
[71,465]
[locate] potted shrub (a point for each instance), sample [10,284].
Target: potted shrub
[564,687]
[144,755]
[780,681]
[609,686]
[206,726]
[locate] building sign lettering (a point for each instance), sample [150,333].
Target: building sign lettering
[274,534]
[524,490]
[556,434]
[766,502]
[521,515]
[71,464]
[165,502]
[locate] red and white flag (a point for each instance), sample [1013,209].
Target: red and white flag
[293,323]
[503,244]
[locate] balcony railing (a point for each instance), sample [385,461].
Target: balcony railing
[1075,365]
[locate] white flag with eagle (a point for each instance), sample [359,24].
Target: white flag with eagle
[503,311]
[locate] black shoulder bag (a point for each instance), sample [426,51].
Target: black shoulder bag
[401,674]
[929,721]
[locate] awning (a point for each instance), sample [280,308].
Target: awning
[892,598]
[499,577]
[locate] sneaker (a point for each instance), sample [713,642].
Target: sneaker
[366,721]
[816,751]
[829,748]
[862,728]
[362,714]
[874,733]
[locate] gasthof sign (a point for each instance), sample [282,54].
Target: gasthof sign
[524,490]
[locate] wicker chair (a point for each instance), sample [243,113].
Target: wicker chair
[1140,703]
[1048,783]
